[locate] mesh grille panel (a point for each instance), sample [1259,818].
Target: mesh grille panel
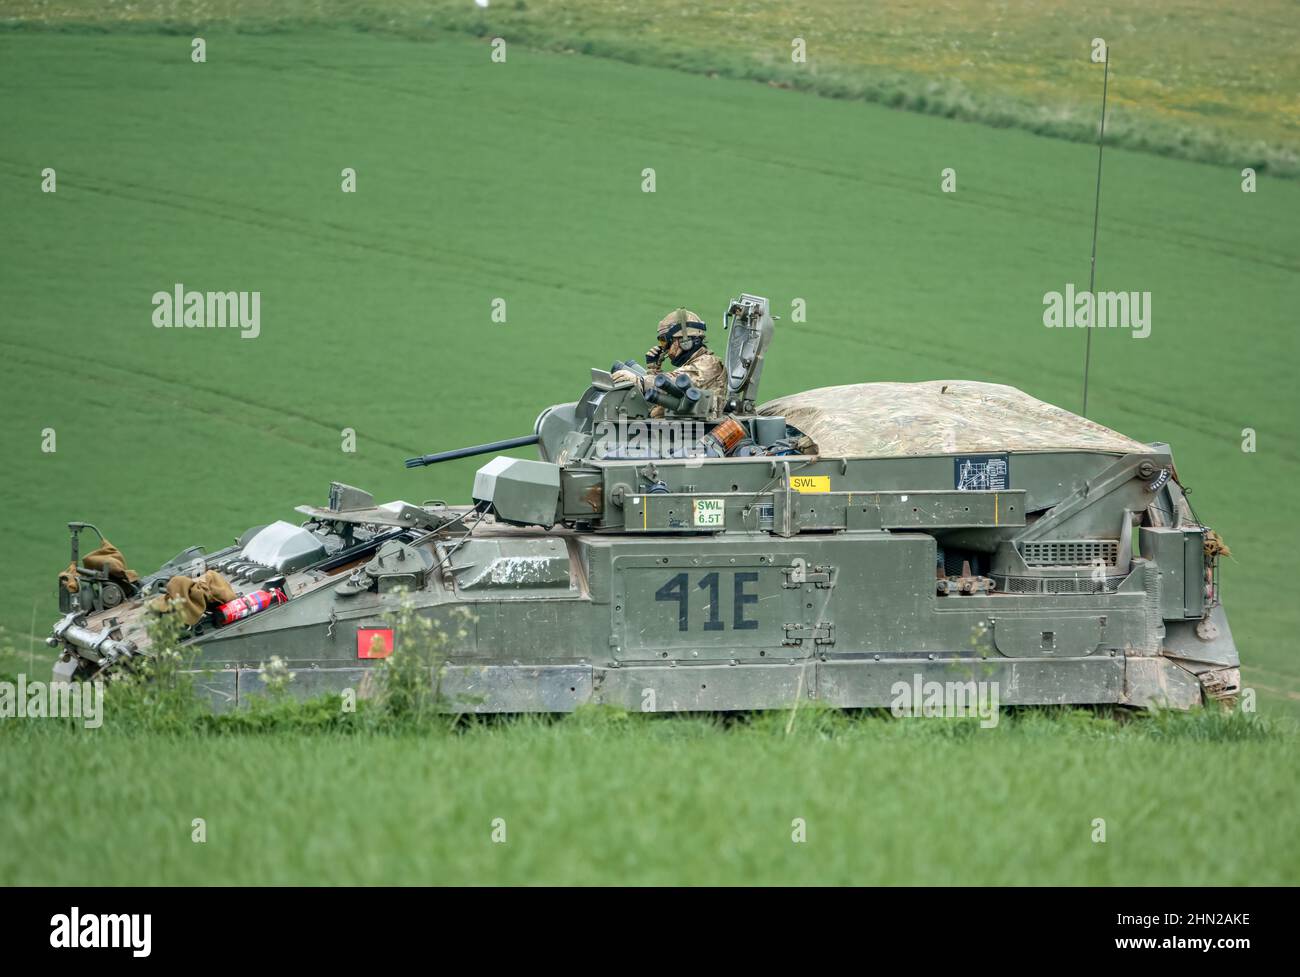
[1083,586]
[952,561]
[1070,552]
[1051,585]
[1021,585]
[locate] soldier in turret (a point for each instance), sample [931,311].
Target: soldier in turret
[683,342]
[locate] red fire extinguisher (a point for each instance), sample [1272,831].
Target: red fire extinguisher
[249,604]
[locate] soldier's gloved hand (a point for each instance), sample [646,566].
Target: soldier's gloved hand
[626,376]
[653,355]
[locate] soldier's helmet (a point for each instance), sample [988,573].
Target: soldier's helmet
[687,328]
[681,322]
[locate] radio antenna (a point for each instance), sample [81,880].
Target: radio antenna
[1096,216]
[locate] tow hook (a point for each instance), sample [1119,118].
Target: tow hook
[105,649]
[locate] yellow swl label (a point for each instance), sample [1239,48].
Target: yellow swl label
[810,483]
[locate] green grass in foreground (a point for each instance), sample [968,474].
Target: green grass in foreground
[604,797]
[1193,79]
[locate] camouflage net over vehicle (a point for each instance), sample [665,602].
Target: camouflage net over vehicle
[891,420]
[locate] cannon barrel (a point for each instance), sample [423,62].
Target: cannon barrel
[478,449]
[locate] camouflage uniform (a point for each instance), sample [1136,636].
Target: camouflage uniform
[702,366]
[706,372]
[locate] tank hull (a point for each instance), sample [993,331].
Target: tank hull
[531,621]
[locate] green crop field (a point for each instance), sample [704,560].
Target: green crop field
[597,799]
[522,181]
[1194,79]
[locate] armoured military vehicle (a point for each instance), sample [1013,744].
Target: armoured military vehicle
[727,555]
